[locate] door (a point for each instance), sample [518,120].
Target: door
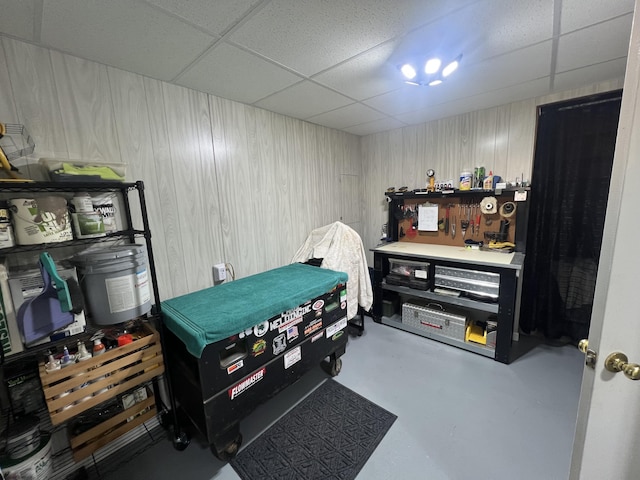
[607,440]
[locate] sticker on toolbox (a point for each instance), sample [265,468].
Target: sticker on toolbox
[292,333]
[236,366]
[314,326]
[279,344]
[258,330]
[339,325]
[318,304]
[317,336]
[259,347]
[337,335]
[292,357]
[246,383]
[290,317]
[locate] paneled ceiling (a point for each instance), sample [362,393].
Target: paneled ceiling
[335,62]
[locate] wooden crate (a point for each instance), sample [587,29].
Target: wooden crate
[86,443]
[83,385]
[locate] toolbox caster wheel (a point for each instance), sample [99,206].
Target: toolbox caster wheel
[230,452]
[181,441]
[335,366]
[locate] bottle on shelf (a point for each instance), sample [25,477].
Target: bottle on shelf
[83,354]
[66,358]
[98,347]
[488,181]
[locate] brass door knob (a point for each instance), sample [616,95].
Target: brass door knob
[618,362]
[583,345]
[591,357]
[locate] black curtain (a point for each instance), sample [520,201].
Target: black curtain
[573,157]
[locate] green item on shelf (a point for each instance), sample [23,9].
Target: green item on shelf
[104,172]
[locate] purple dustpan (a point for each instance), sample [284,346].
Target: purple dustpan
[42,315]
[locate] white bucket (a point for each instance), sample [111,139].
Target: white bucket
[40,220]
[88,225]
[107,205]
[115,282]
[35,466]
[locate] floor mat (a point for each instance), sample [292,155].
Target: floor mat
[329,435]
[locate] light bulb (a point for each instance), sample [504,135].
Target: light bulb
[432,66]
[450,68]
[408,71]
[435,82]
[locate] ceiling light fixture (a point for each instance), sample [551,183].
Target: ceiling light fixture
[431,74]
[408,71]
[432,66]
[451,67]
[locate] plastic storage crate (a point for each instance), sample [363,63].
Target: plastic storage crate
[408,273]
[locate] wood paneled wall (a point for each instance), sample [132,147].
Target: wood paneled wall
[224,182]
[227,182]
[501,139]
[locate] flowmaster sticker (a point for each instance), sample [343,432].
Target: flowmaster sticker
[339,325]
[292,356]
[247,383]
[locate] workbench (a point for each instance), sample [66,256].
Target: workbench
[503,268]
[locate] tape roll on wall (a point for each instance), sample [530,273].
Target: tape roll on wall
[489,205]
[508,210]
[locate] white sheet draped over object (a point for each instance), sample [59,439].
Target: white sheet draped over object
[341,249]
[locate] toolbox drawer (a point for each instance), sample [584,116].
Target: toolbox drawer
[408,273]
[482,284]
[434,319]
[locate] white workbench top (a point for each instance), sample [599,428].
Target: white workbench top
[458,254]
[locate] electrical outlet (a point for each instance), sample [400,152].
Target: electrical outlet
[219,272]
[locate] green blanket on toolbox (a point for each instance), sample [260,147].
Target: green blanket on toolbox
[216,313]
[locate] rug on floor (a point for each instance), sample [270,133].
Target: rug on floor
[329,435]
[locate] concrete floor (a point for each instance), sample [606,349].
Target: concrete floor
[460,415]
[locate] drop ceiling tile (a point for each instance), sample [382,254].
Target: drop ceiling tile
[353,114]
[214,17]
[310,36]
[381,125]
[601,72]
[228,72]
[17,18]
[304,100]
[488,76]
[502,96]
[364,76]
[582,13]
[480,31]
[600,43]
[128,35]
